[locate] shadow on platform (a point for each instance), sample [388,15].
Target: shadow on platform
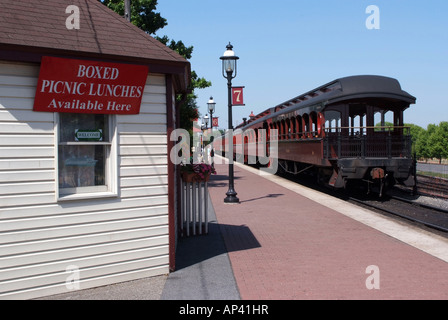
[220,180]
[196,249]
[275,195]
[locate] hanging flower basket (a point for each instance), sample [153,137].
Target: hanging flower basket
[197,172]
[194,177]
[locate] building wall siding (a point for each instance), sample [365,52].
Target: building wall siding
[106,240]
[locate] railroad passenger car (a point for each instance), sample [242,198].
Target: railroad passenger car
[338,130]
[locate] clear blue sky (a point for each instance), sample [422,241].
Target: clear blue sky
[288,47]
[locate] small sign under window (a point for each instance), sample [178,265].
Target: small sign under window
[89,135]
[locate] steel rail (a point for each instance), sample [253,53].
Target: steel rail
[430,225]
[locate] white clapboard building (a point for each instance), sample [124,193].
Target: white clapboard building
[87,190]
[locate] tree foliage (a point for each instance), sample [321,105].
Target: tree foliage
[144,16]
[432,142]
[429,143]
[177,46]
[143,13]
[189,110]
[186,52]
[438,142]
[416,132]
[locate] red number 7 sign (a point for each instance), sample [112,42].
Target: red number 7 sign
[237,96]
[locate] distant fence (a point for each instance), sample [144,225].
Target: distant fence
[432,167]
[194,213]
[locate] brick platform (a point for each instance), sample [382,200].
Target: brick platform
[283,245]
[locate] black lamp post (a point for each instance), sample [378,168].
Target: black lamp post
[211,108]
[204,127]
[205,120]
[229,71]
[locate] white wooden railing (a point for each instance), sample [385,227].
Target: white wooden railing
[194,212]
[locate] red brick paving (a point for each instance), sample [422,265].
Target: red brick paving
[284,246]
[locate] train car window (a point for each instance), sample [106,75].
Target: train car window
[282,130]
[383,119]
[306,125]
[333,121]
[299,127]
[313,124]
[357,127]
[279,128]
[378,120]
[287,129]
[320,125]
[293,128]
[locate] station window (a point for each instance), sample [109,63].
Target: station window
[85,165]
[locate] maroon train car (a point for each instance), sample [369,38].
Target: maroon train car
[339,131]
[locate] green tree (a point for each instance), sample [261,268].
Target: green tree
[186,52]
[189,109]
[143,13]
[380,127]
[421,145]
[416,132]
[438,141]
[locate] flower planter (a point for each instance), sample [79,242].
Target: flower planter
[197,172]
[194,177]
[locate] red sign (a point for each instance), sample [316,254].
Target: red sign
[237,96]
[215,122]
[82,86]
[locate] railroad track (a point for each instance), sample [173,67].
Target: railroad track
[392,204]
[429,216]
[432,186]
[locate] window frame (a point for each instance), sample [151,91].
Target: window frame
[111,165]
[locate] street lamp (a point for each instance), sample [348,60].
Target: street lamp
[206,121]
[204,127]
[211,108]
[229,71]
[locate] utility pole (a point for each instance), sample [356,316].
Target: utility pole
[127,10]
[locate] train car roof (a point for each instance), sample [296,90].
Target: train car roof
[373,86]
[347,88]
